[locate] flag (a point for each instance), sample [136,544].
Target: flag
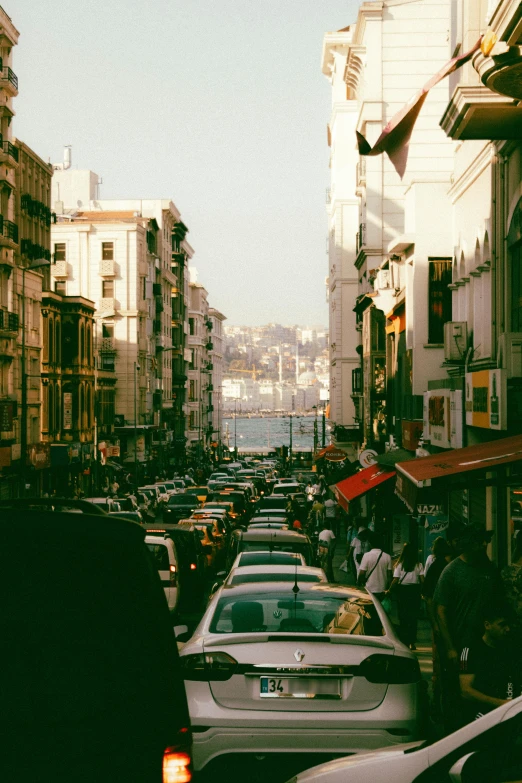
[395,138]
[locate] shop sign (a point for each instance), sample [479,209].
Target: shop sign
[429,509]
[411,434]
[67,410]
[7,413]
[113,451]
[443,418]
[367,458]
[486,399]
[39,455]
[5,456]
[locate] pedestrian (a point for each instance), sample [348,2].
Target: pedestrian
[358,548]
[489,669]
[442,553]
[463,591]
[309,494]
[407,580]
[326,542]
[114,487]
[376,568]
[512,583]
[330,509]
[318,511]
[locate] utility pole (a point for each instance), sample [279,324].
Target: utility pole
[323,433]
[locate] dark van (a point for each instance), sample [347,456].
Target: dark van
[90,686]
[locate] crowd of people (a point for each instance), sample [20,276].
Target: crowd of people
[474,610]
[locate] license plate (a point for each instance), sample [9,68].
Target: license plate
[298,688]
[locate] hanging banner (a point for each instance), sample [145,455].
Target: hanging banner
[486,399]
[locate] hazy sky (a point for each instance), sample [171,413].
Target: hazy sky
[219,105]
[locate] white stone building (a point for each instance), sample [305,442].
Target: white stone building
[216,319]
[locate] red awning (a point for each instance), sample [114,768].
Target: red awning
[482,456]
[361,482]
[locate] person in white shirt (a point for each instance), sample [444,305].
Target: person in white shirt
[359,547]
[407,581]
[375,572]
[326,538]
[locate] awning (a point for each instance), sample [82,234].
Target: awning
[420,473]
[361,482]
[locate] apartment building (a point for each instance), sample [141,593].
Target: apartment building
[200,370]
[400,250]
[215,392]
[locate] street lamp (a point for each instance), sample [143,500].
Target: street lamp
[37,264]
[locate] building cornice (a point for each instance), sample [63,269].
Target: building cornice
[475,112]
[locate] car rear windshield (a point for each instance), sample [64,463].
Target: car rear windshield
[275,546]
[160,556]
[286,577]
[182,500]
[268,558]
[284,612]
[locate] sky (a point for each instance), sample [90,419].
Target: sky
[219,105]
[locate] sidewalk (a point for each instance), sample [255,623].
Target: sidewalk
[424,629]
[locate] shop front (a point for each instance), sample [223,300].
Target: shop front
[477,485]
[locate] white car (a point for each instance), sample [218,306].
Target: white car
[268,558]
[164,555]
[488,750]
[318,669]
[275,573]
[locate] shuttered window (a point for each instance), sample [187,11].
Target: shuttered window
[439,298]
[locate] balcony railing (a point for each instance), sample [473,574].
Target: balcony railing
[10,150]
[360,237]
[8,321]
[107,345]
[8,229]
[209,346]
[6,74]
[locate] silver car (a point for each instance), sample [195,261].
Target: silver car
[304,668]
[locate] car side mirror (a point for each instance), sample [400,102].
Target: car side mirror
[181,633]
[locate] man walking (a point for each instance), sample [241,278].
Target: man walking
[376,568]
[330,512]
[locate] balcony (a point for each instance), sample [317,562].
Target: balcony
[360,237]
[8,233]
[157,399]
[107,268]
[156,289]
[156,326]
[8,321]
[10,153]
[209,346]
[161,342]
[210,408]
[178,379]
[9,80]
[59,269]
[107,305]
[499,63]
[159,304]
[107,345]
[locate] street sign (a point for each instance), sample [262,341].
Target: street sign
[367,458]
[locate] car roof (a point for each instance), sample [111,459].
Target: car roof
[268,534]
[324,588]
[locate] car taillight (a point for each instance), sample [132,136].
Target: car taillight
[208,666]
[390,669]
[173,575]
[177,766]
[193,566]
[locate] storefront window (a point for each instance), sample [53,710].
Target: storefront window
[515,524]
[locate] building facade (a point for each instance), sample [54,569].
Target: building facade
[200,370]
[216,319]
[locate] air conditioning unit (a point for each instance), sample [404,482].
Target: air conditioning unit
[455,341]
[510,353]
[383,279]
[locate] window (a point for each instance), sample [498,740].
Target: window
[108,251]
[60,287]
[107,289]
[192,326]
[193,420]
[192,390]
[59,251]
[107,331]
[439,298]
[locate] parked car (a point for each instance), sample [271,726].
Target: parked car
[105,503]
[179,507]
[488,750]
[262,673]
[163,553]
[191,560]
[268,558]
[82,616]
[132,516]
[272,541]
[208,543]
